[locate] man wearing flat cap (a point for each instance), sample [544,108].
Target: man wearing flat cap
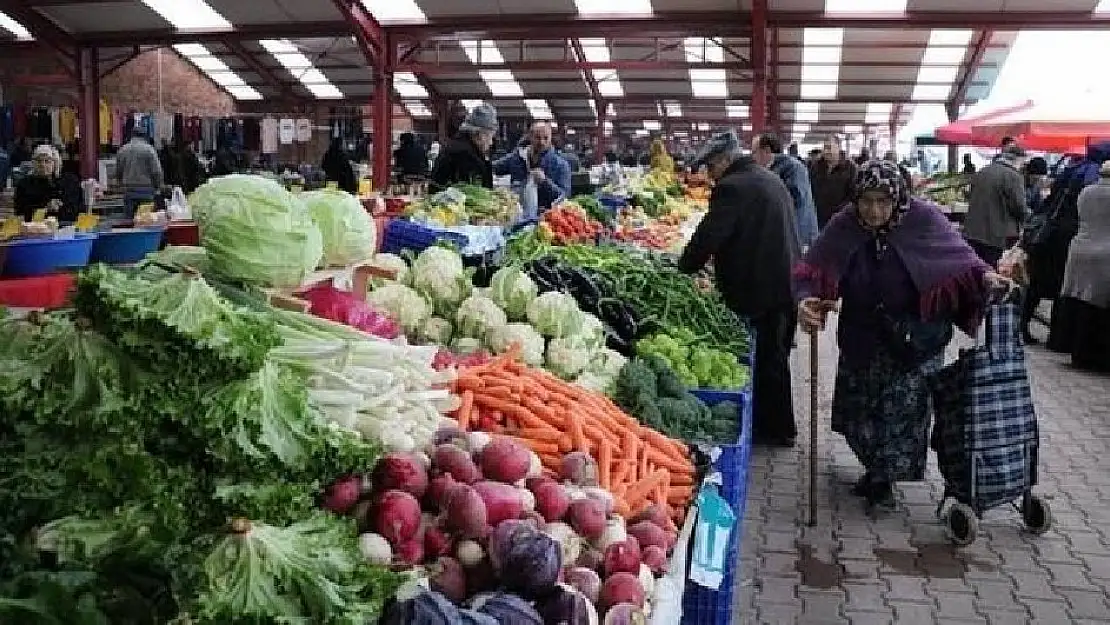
[749,234]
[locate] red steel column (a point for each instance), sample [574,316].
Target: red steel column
[382,107]
[774,106]
[601,144]
[88,93]
[759,66]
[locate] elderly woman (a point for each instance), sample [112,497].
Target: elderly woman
[905,278]
[465,158]
[39,189]
[1081,316]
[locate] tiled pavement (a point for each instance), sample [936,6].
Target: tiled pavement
[900,568]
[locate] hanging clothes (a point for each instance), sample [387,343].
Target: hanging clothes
[287,130]
[252,134]
[55,126]
[67,124]
[269,135]
[104,112]
[304,130]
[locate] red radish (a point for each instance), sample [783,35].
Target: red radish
[655,558]
[447,577]
[579,468]
[648,533]
[396,516]
[436,542]
[587,517]
[621,588]
[438,490]
[505,460]
[602,495]
[466,512]
[343,494]
[411,552]
[456,462]
[552,500]
[622,557]
[654,513]
[502,501]
[400,471]
[450,435]
[533,482]
[584,581]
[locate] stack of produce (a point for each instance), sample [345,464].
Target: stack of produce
[651,391]
[349,233]
[947,189]
[163,451]
[697,366]
[467,204]
[568,223]
[495,535]
[661,234]
[593,208]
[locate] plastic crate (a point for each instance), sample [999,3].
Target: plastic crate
[403,235]
[612,202]
[700,605]
[182,233]
[36,257]
[117,247]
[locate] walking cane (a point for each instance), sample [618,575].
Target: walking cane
[813,378]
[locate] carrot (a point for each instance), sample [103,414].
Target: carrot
[604,462]
[508,408]
[642,466]
[577,438]
[469,382]
[465,410]
[638,491]
[539,447]
[680,492]
[544,434]
[662,443]
[621,507]
[500,391]
[680,479]
[543,411]
[621,472]
[664,461]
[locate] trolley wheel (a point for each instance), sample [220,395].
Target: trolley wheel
[1036,514]
[962,524]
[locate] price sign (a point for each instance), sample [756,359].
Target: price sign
[144,209]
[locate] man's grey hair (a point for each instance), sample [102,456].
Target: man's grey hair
[723,143]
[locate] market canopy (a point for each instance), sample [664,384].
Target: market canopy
[959,131]
[845,66]
[1065,129]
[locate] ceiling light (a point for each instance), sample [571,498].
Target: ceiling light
[608,7]
[7,23]
[189,14]
[877,113]
[417,108]
[408,85]
[865,6]
[395,10]
[293,60]
[821,54]
[244,93]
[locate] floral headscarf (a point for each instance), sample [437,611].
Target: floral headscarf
[886,177]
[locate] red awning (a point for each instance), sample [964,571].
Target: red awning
[1064,130]
[959,131]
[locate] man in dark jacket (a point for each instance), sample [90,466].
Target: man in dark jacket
[750,235]
[767,151]
[833,177]
[409,159]
[465,158]
[996,205]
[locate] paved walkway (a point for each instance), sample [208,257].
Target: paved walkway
[851,569]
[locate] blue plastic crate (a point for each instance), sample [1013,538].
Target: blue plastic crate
[37,257]
[700,605]
[125,246]
[612,202]
[403,235]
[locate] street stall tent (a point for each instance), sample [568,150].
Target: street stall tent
[959,132]
[1064,129]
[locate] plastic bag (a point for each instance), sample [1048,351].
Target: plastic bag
[330,303]
[1012,265]
[178,208]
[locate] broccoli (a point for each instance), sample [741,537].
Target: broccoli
[635,382]
[724,425]
[667,381]
[684,415]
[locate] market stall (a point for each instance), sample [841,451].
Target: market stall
[528,444]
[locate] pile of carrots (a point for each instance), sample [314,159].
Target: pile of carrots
[636,464]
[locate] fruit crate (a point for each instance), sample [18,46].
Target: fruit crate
[401,234]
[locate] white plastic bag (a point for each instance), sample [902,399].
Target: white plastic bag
[178,208]
[667,607]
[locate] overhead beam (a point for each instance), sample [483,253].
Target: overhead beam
[118,63]
[652,99]
[570,66]
[368,32]
[61,43]
[169,36]
[975,58]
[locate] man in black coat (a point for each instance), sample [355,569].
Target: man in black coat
[749,234]
[465,158]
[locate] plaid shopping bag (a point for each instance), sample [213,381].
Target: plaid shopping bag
[986,433]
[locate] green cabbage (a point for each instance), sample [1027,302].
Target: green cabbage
[405,305]
[255,231]
[349,232]
[477,315]
[502,338]
[555,314]
[513,290]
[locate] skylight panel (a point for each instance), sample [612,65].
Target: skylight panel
[807,111]
[538,109]
[608,83]
[483,52]
[191,49]
[877,113]
[217,71]
[417,108]
[609,7]
[395,10]
[210,64]
[293,60]
[642,132]
[408,85]
[652,124]
[800,129]
[941,63]
[188,14]
[821,52]
[19,30]
[470,104]
[931,92]
[596,50]
[1103,7]
[703,127]
[865,6]
[672,109]
[737,110]
[705,82]
[853,129]
[243,92]
[227,79]
[500,82]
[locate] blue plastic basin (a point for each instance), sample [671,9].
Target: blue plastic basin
[125,246]
[36,257]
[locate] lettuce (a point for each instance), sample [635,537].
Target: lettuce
[255,231]
[513,290]
[555,314]
[348,230]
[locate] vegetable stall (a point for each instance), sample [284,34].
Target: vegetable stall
[224,434]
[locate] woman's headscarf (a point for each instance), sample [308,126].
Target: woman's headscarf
[946,272]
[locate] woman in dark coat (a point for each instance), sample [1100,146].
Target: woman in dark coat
[905,278]
[338,168]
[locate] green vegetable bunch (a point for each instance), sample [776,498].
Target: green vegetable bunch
[650,390]
[697,366]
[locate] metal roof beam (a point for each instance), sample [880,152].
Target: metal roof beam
[975,58]
[42,29]
[368,32]
[170,36]
[548,66]
[591,82]
[268,76]
[120,62]
[652,99]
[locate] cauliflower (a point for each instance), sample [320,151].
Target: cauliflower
[513,290]
[593,331]
[601,374]
[476,315]
[435,331]
[438,274]
[555,314]
[567,357]
[405,305]
[390,262]
[502,338]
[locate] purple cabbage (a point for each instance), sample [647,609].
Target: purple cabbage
[507,609]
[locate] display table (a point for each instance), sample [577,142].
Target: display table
[182,233]
[50,291]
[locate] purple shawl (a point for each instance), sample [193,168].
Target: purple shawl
[947,273]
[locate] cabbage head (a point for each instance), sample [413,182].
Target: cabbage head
[477,315]
[390,262]
[436,331]
[255,231]
[438,274]
[502,338]
[406,306]
[567,357]
[513,290]
[592,332]
[601,374]
[555,314]
[349,232]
